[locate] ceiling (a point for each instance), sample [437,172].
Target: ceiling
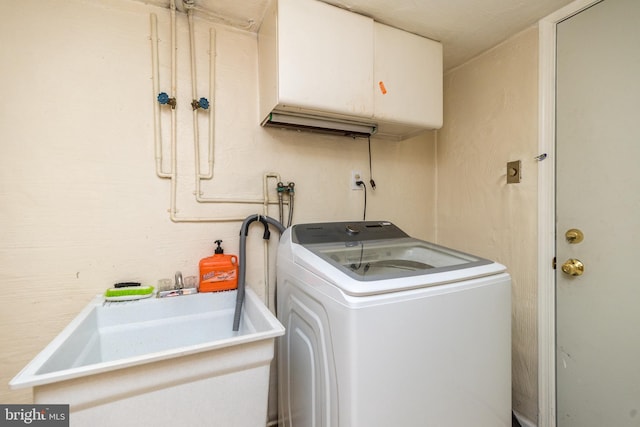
[465,27]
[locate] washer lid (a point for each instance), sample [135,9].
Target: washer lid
[378,251]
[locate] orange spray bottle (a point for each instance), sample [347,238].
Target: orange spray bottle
[218,272]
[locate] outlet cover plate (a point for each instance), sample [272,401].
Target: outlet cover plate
[356,176]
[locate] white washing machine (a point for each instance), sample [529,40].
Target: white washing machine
[386,330]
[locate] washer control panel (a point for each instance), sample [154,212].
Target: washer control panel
[334,232]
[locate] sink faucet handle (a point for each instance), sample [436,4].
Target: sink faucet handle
[179,282]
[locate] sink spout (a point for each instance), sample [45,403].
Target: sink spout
[179,282]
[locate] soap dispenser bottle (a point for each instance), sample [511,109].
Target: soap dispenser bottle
[218,272]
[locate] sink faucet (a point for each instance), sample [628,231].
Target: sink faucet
[178,287]
[179,283]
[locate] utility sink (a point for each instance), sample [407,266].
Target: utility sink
[116,352]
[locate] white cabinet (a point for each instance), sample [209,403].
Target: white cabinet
[321,62]
[316,58]
[408,82]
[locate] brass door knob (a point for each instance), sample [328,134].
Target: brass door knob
[573,267]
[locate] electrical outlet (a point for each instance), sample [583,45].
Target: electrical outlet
[356,176]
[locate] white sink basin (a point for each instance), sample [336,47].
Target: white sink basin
[113,353]
[109,335]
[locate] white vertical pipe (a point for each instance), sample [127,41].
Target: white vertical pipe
[194,94]
[211,143]
[265,211]
[212,98]
[192,49]
[174,161]
[196,134]
[174,175]
[155,77]
[212,117]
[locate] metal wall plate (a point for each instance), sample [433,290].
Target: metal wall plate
[514,172]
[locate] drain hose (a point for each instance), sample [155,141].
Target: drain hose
[244,230]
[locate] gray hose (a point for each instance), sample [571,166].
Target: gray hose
[244,230]
[291,193]
[280,189]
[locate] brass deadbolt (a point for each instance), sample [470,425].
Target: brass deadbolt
[574,236]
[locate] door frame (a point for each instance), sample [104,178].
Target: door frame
[547,406]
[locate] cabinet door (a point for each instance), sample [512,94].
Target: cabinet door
[408,79]
[325,59]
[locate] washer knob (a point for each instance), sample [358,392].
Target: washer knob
[352,229]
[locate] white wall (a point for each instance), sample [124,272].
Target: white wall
[490,115]
[81,206]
